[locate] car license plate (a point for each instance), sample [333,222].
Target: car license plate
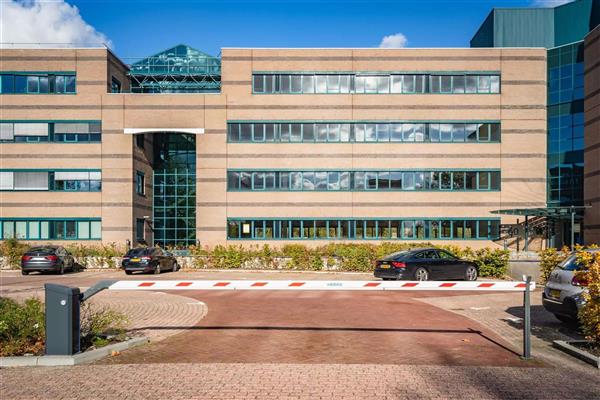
[384,266]
[555,293]
[38,259]
[135,259]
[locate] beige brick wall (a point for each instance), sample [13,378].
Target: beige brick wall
[521,109]
[521,155]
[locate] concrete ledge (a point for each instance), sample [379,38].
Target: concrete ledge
[80,358]
[577,352]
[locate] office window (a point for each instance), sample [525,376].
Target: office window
[30,180]
[36,132]
[140,183]
[362,229]
[452,180]
[115,85]
[459,84]
[50,229]
[37,83]
[139,140]
[140,230]
[79,181]
[61,180]
[77,132]
[308,132]
[336,83]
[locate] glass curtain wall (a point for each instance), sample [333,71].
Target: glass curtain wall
[565,130]
[565,125]
[174,189]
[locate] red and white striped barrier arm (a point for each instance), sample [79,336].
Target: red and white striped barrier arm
[514,286]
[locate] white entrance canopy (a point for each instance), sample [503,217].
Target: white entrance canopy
[193,131]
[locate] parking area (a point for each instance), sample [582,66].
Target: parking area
[272,344]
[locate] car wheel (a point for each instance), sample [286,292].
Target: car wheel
[471,273]
[23,272]
[128,272]
[421,274]
[175,267]
[157,269]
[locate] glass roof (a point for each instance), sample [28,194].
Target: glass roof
[180,69]
[178,60]
[554,212]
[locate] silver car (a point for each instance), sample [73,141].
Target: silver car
[563,294]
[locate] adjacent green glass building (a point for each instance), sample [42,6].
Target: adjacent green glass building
[561,30]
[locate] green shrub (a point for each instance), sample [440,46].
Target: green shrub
[104,252]
[22,327]
[549,259]
[301,257]
[492,263]
[100,325]
[589,314]
[229,257]
[358,257]
[12,250]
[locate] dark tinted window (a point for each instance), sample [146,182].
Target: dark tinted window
[429,254]
[446,256]
[139,252]
[398,255]
[42,250]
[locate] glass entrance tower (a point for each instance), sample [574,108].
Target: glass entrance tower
[174,201]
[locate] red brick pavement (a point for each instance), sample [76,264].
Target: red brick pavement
[327,327]
[296,381]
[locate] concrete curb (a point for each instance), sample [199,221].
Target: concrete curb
[576,352]
[76,359]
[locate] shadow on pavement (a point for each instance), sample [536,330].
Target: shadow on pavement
[544,325]
[330,329]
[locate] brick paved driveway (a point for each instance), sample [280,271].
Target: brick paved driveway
[296,381]
[327,327]
[315,345]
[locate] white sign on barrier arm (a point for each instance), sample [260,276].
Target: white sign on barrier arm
[514,286]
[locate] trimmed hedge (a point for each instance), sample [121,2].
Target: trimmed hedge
[356,257]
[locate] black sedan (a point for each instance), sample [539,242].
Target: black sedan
[47,259]
[149,259]
[425,264]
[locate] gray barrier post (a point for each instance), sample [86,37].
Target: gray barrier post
[63,328]
[62,319]
[527,319]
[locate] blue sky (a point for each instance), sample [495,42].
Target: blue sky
[139,28]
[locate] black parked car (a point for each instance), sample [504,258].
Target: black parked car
[425,264]
[149,259]
[47,259]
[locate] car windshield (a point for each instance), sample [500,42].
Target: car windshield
[139,252]
[397,255]
[570,264]
[42,250]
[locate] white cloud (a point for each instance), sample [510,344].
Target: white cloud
[549,3]
[393,41]
[32,22]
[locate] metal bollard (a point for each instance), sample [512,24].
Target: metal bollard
[527,319]
[62,319]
